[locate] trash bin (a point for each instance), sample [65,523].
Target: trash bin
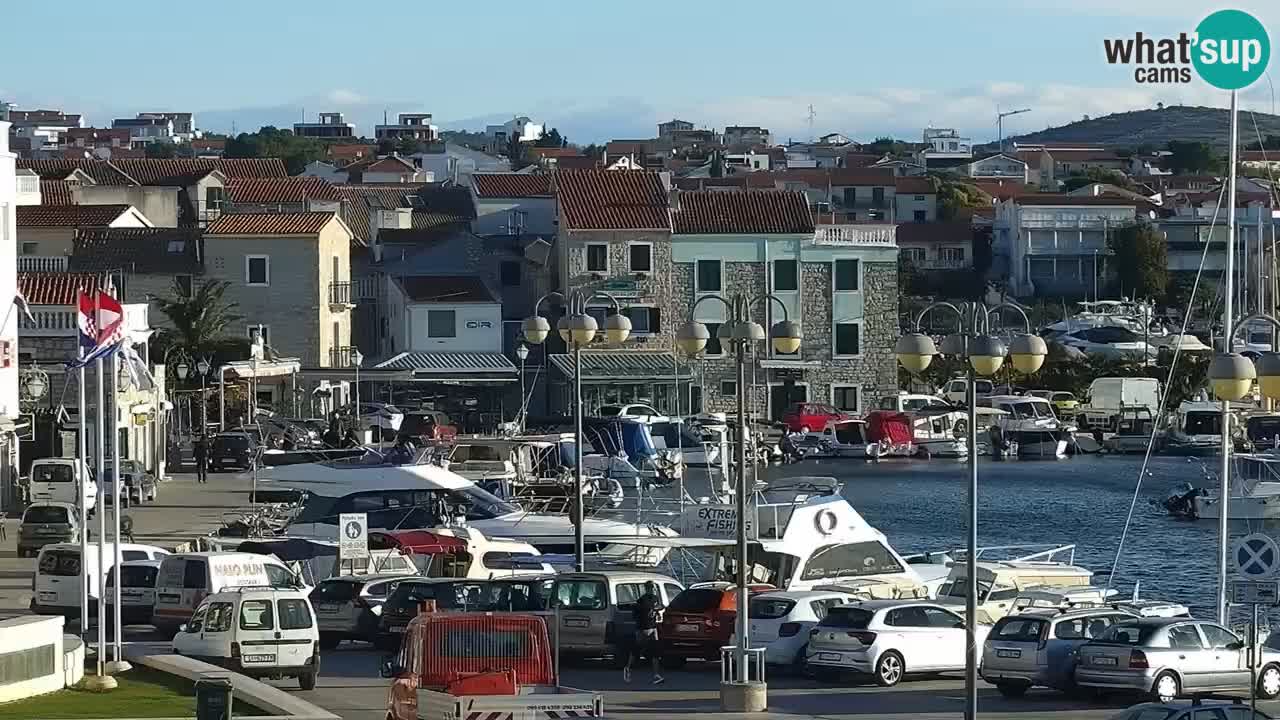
[213,698]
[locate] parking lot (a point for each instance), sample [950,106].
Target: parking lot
[349,683]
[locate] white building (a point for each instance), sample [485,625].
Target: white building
[526,130]
[410,126]
[1056,244]
[439,313]
[9,199]
[998,167]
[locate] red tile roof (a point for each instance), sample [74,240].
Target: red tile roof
[69,215]
[612,200]
[555,152]
[1269,156]
[511,185]
[741,211]
[914,185]
[859,159]
[102,172]
[153,251]
[280,190]
[351,152]
[56,192]
[56,288]
[209,144]
[358,199]
[388,164]
[445,288]
[270,223]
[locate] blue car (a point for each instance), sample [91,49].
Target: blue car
[1038,648]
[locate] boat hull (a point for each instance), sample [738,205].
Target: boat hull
[1264,507]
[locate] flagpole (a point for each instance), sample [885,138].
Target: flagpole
[82,452]
[119,664]
[101,681]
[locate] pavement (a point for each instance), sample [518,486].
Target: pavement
[349,685]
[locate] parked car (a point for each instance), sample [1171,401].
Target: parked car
[812,417]
[594,610]
[137,591]
[888,639]
[1170,657]
[781,621]
[428,426]
[640,410]
[1196,709]
[138,485]
[699,621]
[349,607]
[1061,400]
[956,390]
[47,523]
[407,597]
[1038,647]
[232,450]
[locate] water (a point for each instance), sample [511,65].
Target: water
[921,505]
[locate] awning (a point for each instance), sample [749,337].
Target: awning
[623,365]
[416,542]
[262,368]
[452,366]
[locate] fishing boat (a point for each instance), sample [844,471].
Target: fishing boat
[889,434]
[1254,492]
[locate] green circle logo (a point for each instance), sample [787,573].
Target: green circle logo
[1232,49]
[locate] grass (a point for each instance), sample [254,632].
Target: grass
[143,693]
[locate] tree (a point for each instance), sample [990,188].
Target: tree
[1141,260]
[1189,157]
[1097,175]
[161,150]
[551,139]
[269,141]
[955,195]
[199,322]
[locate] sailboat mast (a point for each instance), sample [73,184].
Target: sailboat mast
[1224,477]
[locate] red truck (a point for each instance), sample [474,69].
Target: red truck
[457,666]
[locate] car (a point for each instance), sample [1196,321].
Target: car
[428,426]
[1062,401]
[1167,658]
[699,621]
[348,607]
[956,390]
[811,417]
[407,596]
[1038,647]
[640,410]
[232,450]
[781,621]
[595,610]
[887,639]
[47,523]
[137,591]
[1193,710]
[139,485]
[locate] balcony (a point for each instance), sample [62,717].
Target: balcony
[864,235]
[343,357]
[341,297]
[366,288]
[60,320]
[42,263]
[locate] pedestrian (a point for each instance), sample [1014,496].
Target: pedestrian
[201,451]
[645,613]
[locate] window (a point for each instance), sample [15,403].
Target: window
[184,285]
[597,258]
[918,198]
[708,276]
[850,560]
[728,388]
[786,275]
[334,591]
[641,257]
[61,563]
[257,270]
[951,255]
[1218,638]
[195,576]
[295,614]
[913,255]
[847,276]
[196,623]
[847,337]
[1019,629]
[1184,637]
[442,323]
[256,615]
[30,248]
[581,595]
[213,198]
[919,216]
[877,196]
[672,590]
[942,619]
[219,617]
[628,593]
[644,320]
[713,348]
[509,271]
[822,607]
[846,398]
[279,577]
[907,617]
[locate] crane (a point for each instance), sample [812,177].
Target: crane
[1000,116]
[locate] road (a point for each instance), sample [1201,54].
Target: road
[350,687]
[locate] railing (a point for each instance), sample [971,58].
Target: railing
[877,235]
[60,320]
[42,263]
[340,293]
[343,357]
[366,288]
[28,184]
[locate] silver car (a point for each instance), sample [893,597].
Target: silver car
[1169,657]
[1039,647]
[1195,710]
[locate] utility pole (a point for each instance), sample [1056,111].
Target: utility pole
[1000,116]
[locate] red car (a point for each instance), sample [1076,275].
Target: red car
[699,621]
[811,416]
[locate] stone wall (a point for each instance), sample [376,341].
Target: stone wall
[656,288]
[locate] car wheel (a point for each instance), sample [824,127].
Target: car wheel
[798,663]
[889,669]
[1269,682]
[329,641]
[1012,690]
[307,680]
[1166,688]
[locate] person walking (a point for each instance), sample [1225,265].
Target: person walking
[645,614]
[201,451]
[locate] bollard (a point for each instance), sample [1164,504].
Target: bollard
[213,698]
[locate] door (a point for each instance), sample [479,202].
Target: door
[1188,654]
[195,583]
[950,640]
[295,631]
[915,638]
[782,397]
[584,612]
[1230,658]
[215,634]
[190,640]
[256,632]
[58,578]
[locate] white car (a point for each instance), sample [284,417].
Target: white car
[888,639]
[636,410]
[956,391]
[259,632]
[781,621]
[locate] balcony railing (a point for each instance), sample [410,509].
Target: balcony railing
[60,320]
[42,263]
[343,357]
[341,295]
[366,288]
[875,235]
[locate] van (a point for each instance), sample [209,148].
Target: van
[46,523]
[56,586]
[65,480]
[261,632]
[595,609]
[137,591]
[185,579]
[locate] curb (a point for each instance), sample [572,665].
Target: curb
[259,694]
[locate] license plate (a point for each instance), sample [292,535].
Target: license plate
[1009,653]
[397,628]
[260,658]
[576,623]
[829,657]
[1100,660]
[328,608]
[48,596]
[686,628]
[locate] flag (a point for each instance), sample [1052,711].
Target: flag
[138,373]
[110,318]
[86,322]
[20,301]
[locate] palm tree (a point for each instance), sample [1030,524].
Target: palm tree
[199,322]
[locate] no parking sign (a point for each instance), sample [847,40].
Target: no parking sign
[1256,557]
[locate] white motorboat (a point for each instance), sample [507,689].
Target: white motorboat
[940,432]
[1197,429]
[1254,495]
[1029,428]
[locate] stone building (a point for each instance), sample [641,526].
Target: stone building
[839,282]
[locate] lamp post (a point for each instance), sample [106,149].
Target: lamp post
[182,370]
[34,383]
[577,329]
[985,354]
[741,693]
[357,359]
[522,352]
[202,367]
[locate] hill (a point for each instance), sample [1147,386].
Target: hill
[1157,127]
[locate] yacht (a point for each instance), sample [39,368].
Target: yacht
[1197,429]
[1255,491]
[1028,428]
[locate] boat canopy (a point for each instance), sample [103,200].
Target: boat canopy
[290,549]
[892,426]
[416,542]
[618,436]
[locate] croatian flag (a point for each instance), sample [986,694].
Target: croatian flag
[100,319]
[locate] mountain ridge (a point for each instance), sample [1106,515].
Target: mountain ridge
[1156,127]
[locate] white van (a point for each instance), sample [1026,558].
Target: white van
[186,578]
[56,586]
[256,631]
[137,591]
[65,480]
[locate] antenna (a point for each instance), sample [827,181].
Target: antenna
[1000,116]
[812,114]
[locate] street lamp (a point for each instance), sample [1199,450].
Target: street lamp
[202,367]
[577,329]
[741,693]
[985,354]
[35,383]
[357,359]
[522,352]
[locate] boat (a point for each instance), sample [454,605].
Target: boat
[1134,427]
[1000,582]
[622,449]
[940,432]
[1197,429]
[1261,432]
[1028,428]
[846,437]
[889,434]
[1254,492]
[1133,316]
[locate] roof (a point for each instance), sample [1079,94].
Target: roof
[460,363]
[350,151]
[357,199]
[742,211]
[1083,155]
[186,171]
[445,288]
[388,164]
[447,199]
[914,185]
[621,364]
[935,232]
[555,152]
[1062,199]
[156,251]
[304,223]
[102,171]
[280,190]
[70,215]
[612,200]
[56,192]
[511,185]
[56,288]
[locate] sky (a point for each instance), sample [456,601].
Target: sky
[601,69]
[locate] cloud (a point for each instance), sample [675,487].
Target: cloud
[344,97]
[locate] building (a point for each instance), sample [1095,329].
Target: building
[945,143]
[102,143]
[210,148]
[389,169]
[999,167]
[839,283]
[915,200]
[331,125]
[147,263]
[410,126]
[146,129]
[931,246]
[1260,160]
[184,124]
[14,189]
[517,204]
[281,194]
[42,133]
[666,129]
[635,154]
[342,155]
[46,233]
[1055,245]
[521,128]
[735,135]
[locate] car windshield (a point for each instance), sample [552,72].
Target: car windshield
[769,608]
[849,618]
[1019,629]
[1063,397]
[138,576]
[51,474]
[959,589]
[850,560]
[46,515]
[696,600]
[60,563]
[231,442]
[479,453]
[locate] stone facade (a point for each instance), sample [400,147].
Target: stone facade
[655,288]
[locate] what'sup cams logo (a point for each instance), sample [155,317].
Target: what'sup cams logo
[1229,50]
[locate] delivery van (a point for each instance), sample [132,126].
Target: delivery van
[185,580]
[65,480]
[56,587]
